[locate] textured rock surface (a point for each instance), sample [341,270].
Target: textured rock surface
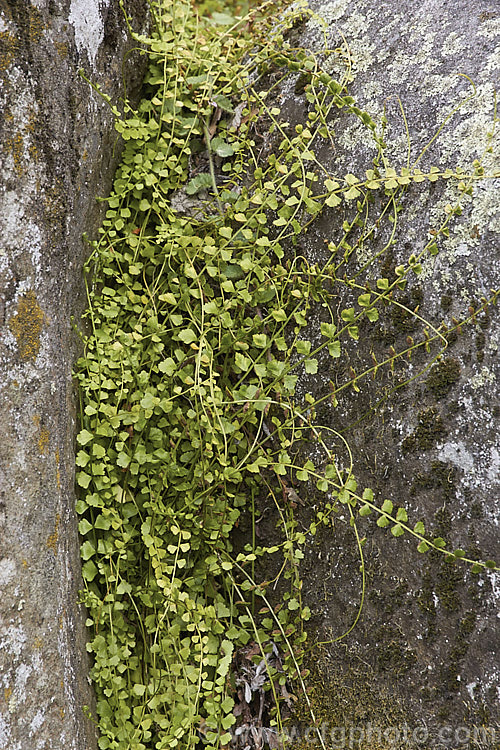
[56,154]
[425,652]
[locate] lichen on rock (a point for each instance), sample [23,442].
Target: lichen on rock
[426,434]
[50,119]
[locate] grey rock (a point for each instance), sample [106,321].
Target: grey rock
[58,150]
[425,651]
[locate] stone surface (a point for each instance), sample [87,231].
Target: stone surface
[57,153]
[425,651]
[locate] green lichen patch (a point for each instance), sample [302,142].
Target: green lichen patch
[26,326]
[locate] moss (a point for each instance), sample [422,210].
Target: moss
[427,604]
[429,430]
[351,708]
[390,600]
[449,579]
[393,653]
[27,325]
[450,672]
[441,477]
[476,510]
[480,344]
[443,377]
[403,319]
[446,301]
[302,81]
[449,574]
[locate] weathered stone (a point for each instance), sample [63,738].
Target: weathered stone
[425,651]
[58,152]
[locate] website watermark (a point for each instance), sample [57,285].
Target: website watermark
[444,737]
[402,736]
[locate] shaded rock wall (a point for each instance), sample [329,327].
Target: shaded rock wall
[58,149]
[425,652]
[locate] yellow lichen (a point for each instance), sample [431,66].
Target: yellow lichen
[43,438]
[27,325]
[36,27]
[32,127]
[15,147]
[7,693]
[62,48]
[8,49]
[38,643]
[53,538]
[54,202]
[58,471]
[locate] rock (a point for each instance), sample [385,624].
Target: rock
[58,152]
[425,651]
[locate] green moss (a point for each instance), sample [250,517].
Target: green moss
[440,476]
[302,81]
[426,603]
[429,430]
[393,653]
[403,318]
[480,344]
[450,671]
[446,301]
[443,377]
[343,702]
[390,600]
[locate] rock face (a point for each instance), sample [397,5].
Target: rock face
[58,151]
[425,652]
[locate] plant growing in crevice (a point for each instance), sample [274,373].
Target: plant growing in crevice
[199,330]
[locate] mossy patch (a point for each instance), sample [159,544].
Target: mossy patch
[442,377]
[350,707]
[27,326]
[439,478]
[402,314]
[429,430]
[393,654]
[450,671]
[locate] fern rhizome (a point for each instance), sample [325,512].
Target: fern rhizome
[198,331]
